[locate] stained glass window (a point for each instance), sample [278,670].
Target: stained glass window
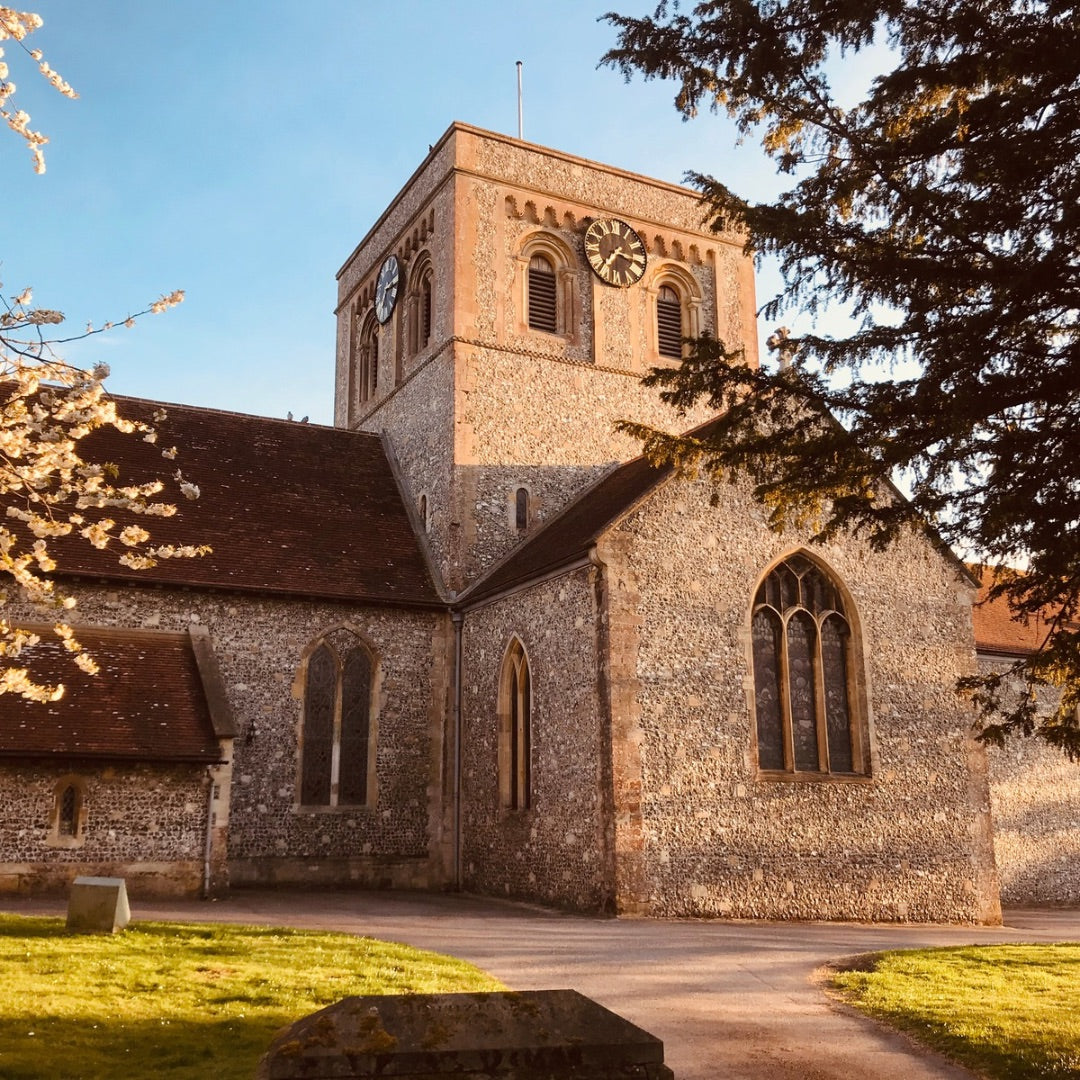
[355,719]
[335,753]
[802,659]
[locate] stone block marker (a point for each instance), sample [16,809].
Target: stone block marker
[533,1035]
[98,904]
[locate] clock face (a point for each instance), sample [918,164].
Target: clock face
[615,252]
[386,288]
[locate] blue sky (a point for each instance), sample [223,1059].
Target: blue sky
[240,150]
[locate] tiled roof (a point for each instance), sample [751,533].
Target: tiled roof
[290,508]
[568,536]
[149,702]
[995,629]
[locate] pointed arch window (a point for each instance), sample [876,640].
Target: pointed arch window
[336,735]
[805,708]
[515,734]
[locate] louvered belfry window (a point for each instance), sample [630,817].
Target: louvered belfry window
[543,306]
[425,311]
[669,323]
[802,647]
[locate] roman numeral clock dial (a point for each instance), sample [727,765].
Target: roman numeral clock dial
[386,288]
[615,252]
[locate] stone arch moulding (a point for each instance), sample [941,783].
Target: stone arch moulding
[366,357]
[665,272]
[419,304]
[68,814]
[515,728]
[856,684]
[550,246]
[338,721]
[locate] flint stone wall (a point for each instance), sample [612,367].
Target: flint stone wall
[492,406]
[556,851]
[911,842]
[1035,794]
[145,823]
[259,644]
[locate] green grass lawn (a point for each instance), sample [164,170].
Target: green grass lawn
[1008,1011]
[178,1001]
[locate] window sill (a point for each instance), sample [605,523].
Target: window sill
[69,842]
[348,808]
[784,777]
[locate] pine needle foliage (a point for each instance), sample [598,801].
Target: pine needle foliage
[941,209]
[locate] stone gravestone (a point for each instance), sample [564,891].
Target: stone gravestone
[533,1035]
[98,903]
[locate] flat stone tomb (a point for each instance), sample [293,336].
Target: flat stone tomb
[533,1035]
[98,904]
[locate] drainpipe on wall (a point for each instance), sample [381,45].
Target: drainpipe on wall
[458,619]
[207,845]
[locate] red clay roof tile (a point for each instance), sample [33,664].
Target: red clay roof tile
[288,508]
[147,703]
[996,630]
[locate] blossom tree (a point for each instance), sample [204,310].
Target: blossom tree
[47,407]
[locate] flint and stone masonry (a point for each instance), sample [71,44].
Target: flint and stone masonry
[535,602]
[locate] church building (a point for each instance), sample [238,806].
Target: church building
[468,639]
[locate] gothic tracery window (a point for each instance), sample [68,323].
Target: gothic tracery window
[515,734]
[803,689]
[336,739]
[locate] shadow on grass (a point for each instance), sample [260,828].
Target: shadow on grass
[58,1049]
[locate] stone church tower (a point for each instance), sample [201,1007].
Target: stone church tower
[475,332]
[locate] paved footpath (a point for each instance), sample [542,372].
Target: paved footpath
[731,1000]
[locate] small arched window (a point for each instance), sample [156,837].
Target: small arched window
[521,509]
[425,310]
[68,817]
[421,298]
[546,290]
[423,512]
[669,323]
[803,686]
[367,358]
[335,753]
[515,734]
[543,295]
